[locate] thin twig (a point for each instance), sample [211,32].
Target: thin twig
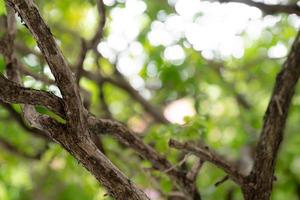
[207,155]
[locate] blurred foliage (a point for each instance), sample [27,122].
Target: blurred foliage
[220,121]
[2,8]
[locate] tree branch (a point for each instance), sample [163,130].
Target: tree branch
[273,128]
[91,44]
[86,152]
[57,63]
[267,8]
[128,138]
[11,92]
[207,155]
[74,136]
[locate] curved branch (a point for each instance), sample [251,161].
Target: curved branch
[56,61]
[205,154]
[91,44]
[262,175]
[10,92]
[87,153]
[74,136]
[159,162]
[268,8]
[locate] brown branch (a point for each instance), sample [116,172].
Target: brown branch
[57,63]
[57,132]
[78,141]
[130,139]
[88,154]
[99,34]
[85,151]
[74,136]
[261,177]
[81,57]
[206,154]
[119,81]
[106,126]
[11,92]
[121,132]
[12,70]
[91,44]
[268,8]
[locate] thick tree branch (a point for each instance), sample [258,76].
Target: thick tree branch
[86,152]
[261,177]
[119,81]
[98,126]
[74,136]
[12,70]
[63,75]
[11,92]
[89,155]
[128,138]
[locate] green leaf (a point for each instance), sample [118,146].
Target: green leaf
[2,8]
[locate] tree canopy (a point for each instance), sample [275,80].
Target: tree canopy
[139,99]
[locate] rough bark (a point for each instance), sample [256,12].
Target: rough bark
[159,162]
[205,154]
[11,92]
[74,135]
[258,185]
[86,152]
[262,176]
